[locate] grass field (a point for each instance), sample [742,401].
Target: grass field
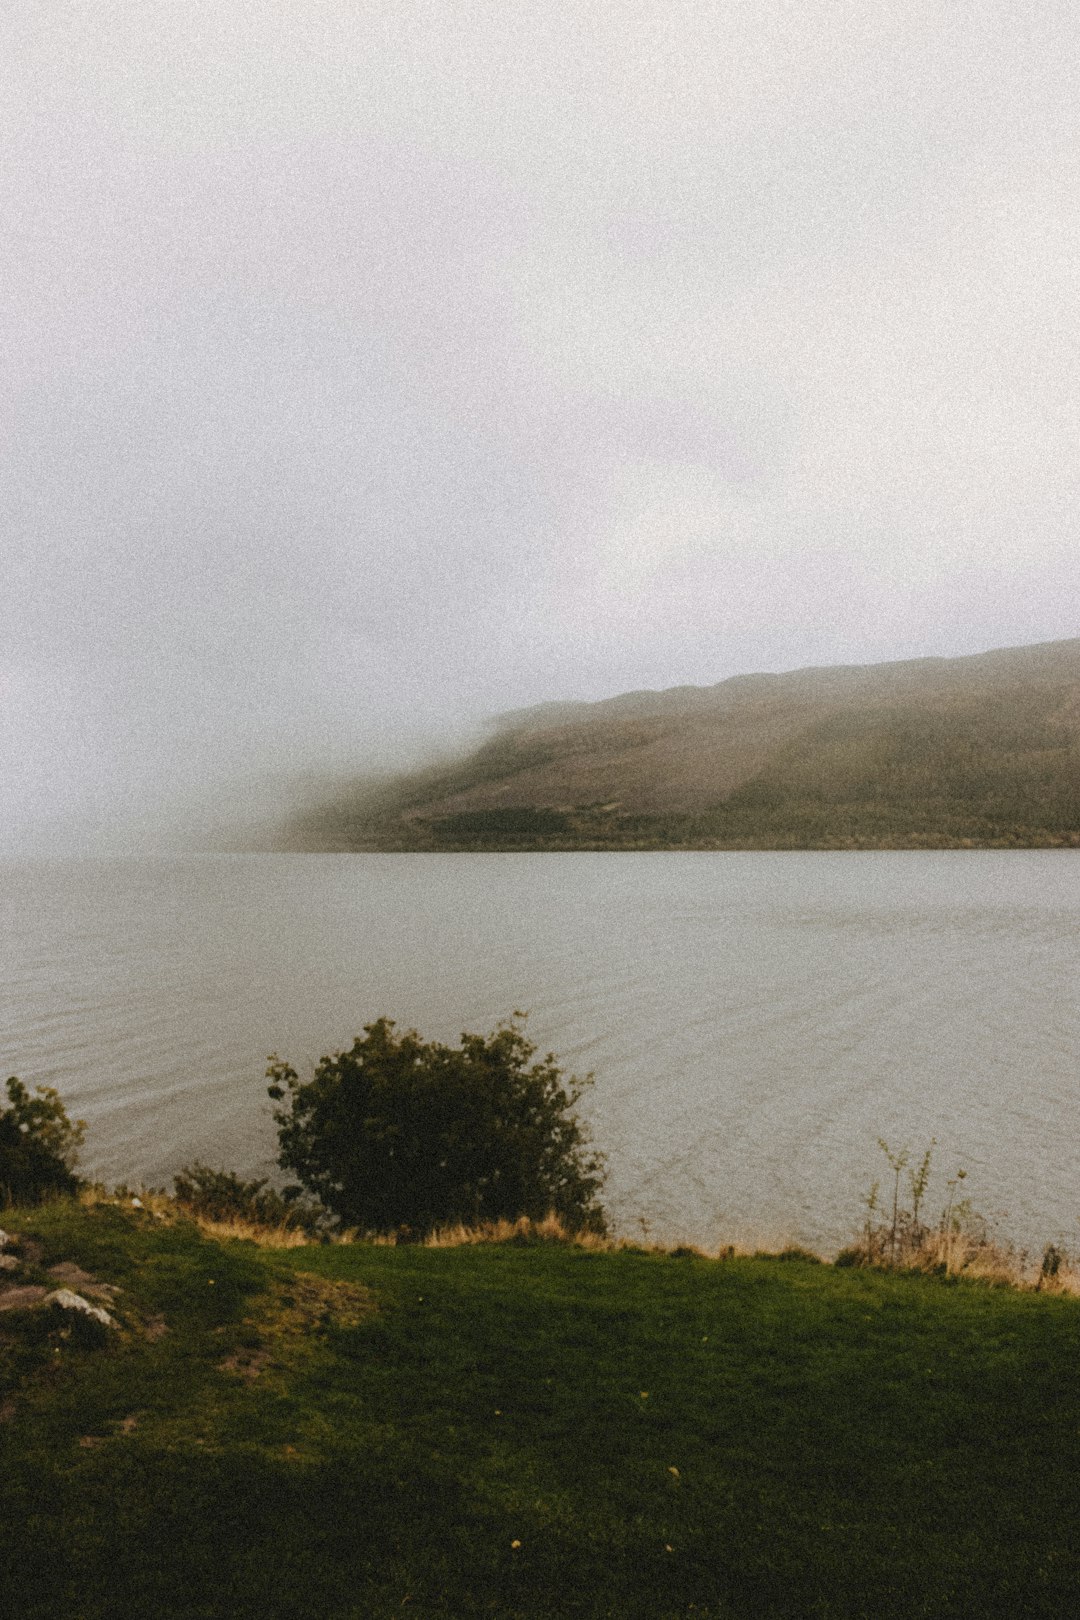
[530,1430]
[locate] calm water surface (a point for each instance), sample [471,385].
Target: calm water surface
[755,1021]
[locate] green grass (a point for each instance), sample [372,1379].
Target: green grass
[663,1436]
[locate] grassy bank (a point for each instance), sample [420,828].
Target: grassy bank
[537,1430]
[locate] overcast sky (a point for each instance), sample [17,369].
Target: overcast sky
[371,367]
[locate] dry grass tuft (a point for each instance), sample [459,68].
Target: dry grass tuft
[244,1231]
[1067,1281]
[160,1206]
[551,1229]
[966,1251]
[151,1200]
[897,1237]
[970,1254]
[92,1193]
[973,1254]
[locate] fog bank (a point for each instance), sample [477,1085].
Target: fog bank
[371,370]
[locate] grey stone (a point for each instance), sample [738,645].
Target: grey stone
[66,1300]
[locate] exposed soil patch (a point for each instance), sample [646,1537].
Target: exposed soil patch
[70,1275]
[308,1301]
[126,1425]
[17,1296]
[248,1362]
[297,1311]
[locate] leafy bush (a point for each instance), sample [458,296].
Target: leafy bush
[220,1195]
[400,1134]
[39,1145]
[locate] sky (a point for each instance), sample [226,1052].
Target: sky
[372,367]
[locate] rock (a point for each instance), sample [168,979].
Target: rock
[65,1300]
[9,1262]
[7,1241]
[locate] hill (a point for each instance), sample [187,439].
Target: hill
[933,752]
[536,1432]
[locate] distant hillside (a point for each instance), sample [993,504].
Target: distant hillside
[931,753]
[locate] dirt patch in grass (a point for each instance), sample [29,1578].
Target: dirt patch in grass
[298,1309]
[21,1295]
[69,1275]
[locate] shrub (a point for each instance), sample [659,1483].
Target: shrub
[39,1145]
[220,1195]
[400,1134]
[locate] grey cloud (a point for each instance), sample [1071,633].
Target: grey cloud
[371,369]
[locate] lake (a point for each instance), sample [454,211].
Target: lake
[754,1021]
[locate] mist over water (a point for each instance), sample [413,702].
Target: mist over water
[754,1021]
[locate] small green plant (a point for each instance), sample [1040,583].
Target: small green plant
[906,1231]
[1052,1261]
[39,1146]
[954,1215]
[918,1180]
[897,1162]
[870,1199]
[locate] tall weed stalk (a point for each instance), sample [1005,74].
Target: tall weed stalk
[900,1237]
